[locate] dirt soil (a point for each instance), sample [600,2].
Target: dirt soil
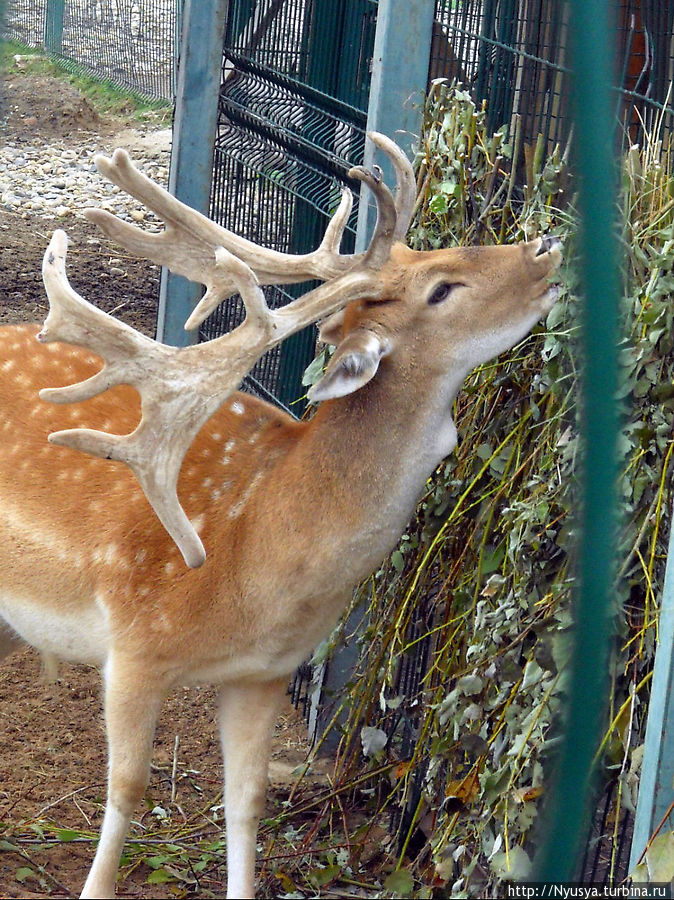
[36,109]
[52,743]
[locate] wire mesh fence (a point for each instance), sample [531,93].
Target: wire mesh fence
[291,124]
[130,43]
[514,55]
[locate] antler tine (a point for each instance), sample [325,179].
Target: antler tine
[406,187]
[382,239]
[393,215]
[130,358]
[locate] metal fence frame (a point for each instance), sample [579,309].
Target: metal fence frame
[515,54]
[131,44]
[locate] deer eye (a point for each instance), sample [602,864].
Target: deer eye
[442,292]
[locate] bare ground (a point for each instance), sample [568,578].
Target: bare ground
[52,744]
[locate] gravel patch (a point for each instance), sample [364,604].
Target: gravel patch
[57,181]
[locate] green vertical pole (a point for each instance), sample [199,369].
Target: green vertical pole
[565,817]
[656,784]
[194,131]
[402,49]
[53,26]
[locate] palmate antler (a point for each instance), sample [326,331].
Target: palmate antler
[180,388]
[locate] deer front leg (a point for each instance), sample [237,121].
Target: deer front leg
[132,703]
[247,715]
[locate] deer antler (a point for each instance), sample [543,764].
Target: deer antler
[188,242]
[180,388]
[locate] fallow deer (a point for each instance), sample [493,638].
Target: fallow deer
[276,519]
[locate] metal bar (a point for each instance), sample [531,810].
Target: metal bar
[53,26]
[194,131]
[402,48]
[656,785]
[566,812]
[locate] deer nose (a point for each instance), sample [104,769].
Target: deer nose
[548,243]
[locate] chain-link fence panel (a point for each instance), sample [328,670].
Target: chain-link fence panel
[131,43]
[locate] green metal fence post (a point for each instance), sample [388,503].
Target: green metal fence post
[567,807]
[193,142]
[402,48]
[656,784]
[53,26]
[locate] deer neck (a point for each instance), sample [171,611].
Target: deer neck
[384,441]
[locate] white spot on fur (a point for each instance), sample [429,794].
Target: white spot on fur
[216,436]
[225,460]
[198,523]
[240,505]
[229,446]
[237,408]
[170,568]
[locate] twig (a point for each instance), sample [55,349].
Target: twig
[174,768]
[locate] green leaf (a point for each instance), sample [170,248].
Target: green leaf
[448,186]
[659,859]
[400,882]
[156,862]
[512,866]
[159,876]
[322,876]
[438,204]
[470,685]
[314,371]
[24,873]
[556,315]
[67,834]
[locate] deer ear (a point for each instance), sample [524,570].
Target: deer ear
[355,362]
[330,329]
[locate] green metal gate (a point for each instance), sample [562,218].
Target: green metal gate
[292,114]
